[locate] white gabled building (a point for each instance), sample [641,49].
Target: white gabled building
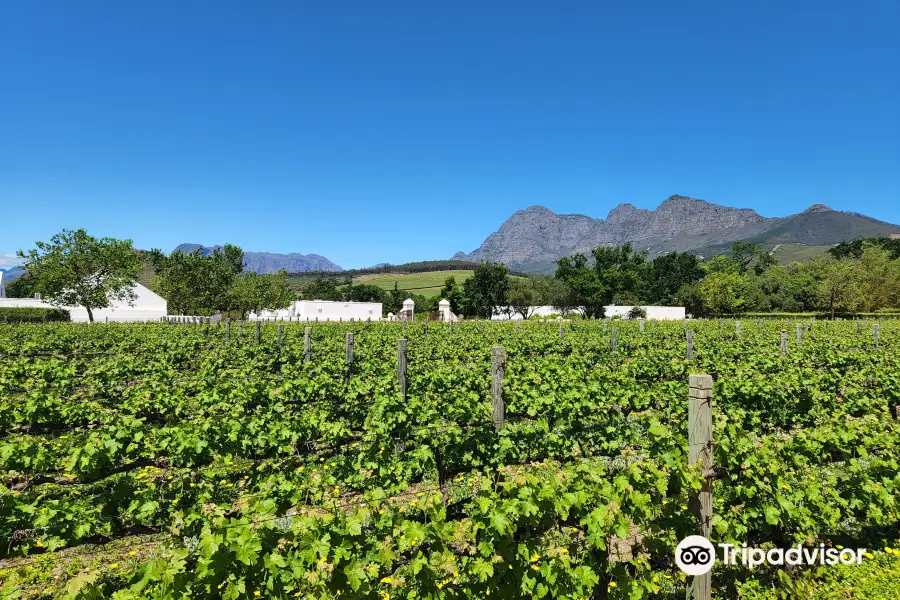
[323,310]
[147,306]
[655,313]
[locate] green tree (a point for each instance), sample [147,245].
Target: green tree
[522,296]
[724,293]
[76,269]
[586,292]
[878,278]
[485,290]
[666,274]
[364,292]
[22,287]
[453,293]
[322,289]
[854,248]
[617,272]
[251,292]
[194,284]
[751,256]
[839,288]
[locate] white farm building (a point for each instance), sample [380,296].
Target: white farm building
[654,313]
[323,310]
[147,306]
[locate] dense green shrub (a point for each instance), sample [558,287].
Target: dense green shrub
[32,314]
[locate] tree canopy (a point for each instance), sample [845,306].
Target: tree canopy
[76,269]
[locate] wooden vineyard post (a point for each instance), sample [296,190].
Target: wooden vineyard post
[280,335]
[451,326]
[258,325]
[858,327]
[784,342]
[402,345]
[799,334]
[737,328]
[426,323]
[227,331]
[307,347]
[518,325]
[689,352]
[498,369]
[641,325]
[615,338]
[700,445]
[876,331]
[348,357]
[562,331]
[240,328]
[759,324]
[604,325]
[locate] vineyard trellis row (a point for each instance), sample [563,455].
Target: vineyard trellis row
[365,460]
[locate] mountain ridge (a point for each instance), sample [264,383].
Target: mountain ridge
[271,262]
[533,238]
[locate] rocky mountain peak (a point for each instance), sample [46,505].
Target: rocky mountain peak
[815,208]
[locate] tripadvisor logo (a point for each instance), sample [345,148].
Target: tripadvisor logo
[695,555]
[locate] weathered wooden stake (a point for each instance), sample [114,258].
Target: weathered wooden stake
[227,331]
[858,327]
[615,338]
[799,335]
[641,323]
[240,328]
[307,344]
[737,328]
[258,326]
[402,345]
[876,330]
[498,369]
[426,324]
[562,331]
[280,335]
[700,448]
[689,336]
[783,342]
[348,357]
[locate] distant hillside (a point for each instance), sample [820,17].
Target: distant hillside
[12,274]
[269,262]
[531,240]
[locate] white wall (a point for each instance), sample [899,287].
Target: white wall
[538,311]
[147,307]
[658,313]
[324,310]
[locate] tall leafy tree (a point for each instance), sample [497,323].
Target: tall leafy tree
[76,269]
[485,290]
[724,293]
[522,296]
[322,289]
[452,292]
[364,292]
[616,272]
[666,274]
[194,284]
[751,256]
[838,291]
[251,292]
[586,292]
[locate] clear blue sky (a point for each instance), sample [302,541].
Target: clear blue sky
[396,131]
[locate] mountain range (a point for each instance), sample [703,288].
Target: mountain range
[532,239]
[270,262]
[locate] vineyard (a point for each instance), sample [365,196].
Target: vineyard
[174,461]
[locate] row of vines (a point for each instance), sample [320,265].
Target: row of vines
[162,461]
